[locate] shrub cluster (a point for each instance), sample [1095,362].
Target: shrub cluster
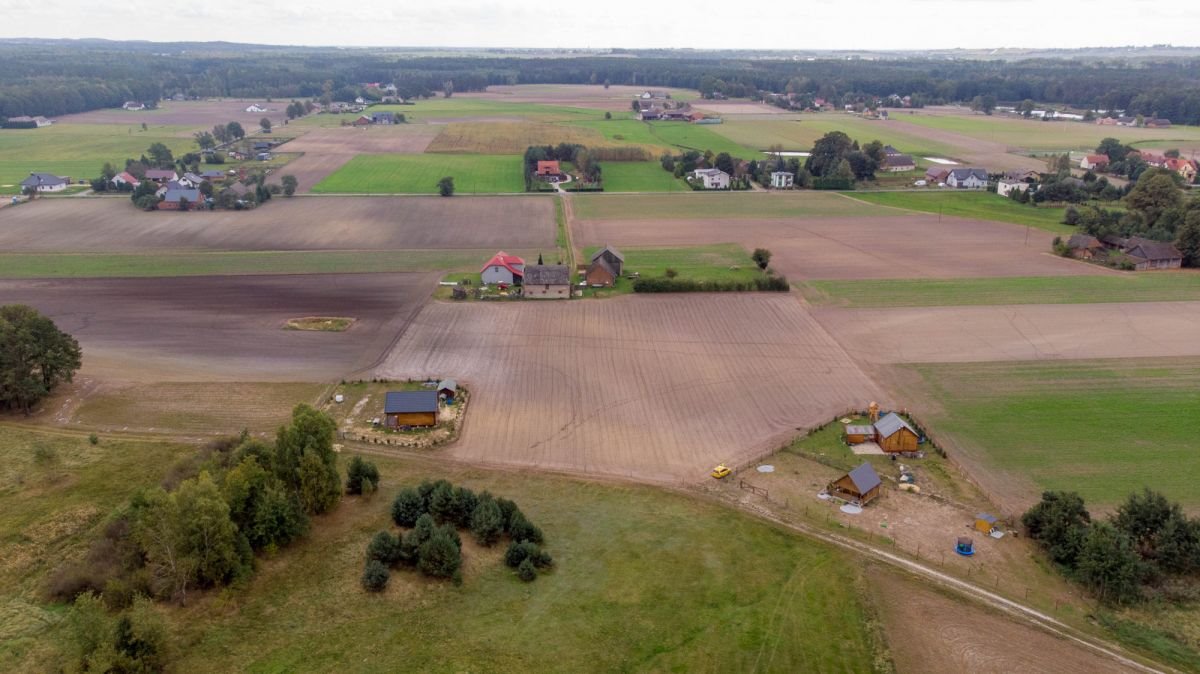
[679,285]
[362,477]
[832,183]
[1148,544]
[434,512]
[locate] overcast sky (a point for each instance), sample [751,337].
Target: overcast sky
[790,24]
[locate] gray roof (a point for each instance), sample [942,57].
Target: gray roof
[1078,241]
[710,172]
[616,253]
[603,264]
[888,425]
[900,160]
[161,174]
[36,179]
[864,478]
[889,150]
[860,430]
[551,274]
[964,173]
[405,402]
[1151,250]
[173,195]
[447,384]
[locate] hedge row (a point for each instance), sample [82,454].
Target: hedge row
[678,285]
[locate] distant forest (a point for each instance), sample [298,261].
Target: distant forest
[44,77]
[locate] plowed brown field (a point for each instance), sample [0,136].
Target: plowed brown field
[226,327]
[653,388]
[307,223]
[902,246]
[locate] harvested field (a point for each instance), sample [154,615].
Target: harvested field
[305,223]
[985,152]
[327,149]
[420,173]
[928,631]
[652,388]
[1034,134]
[226,327]
[1016,332]
[713,205]
[199,114]
[615,98]
[511,137]
[897,246]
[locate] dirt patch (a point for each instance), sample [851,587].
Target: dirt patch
[302,223]
[652,388]
[928,631]
[320,324]
[1016,332]
[858,248]
[226,327]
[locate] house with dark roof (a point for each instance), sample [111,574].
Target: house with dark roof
[161,176]
[860,486]
[936,174]
[44,182]
[605,267]
[890,151]
[447,388]
[899,162]
[547,281]
[967,179]
[610,254]
[503,268]
[176,196]
[894,435]
[410,408]
[1085,247]
[384,118]
[1147,254]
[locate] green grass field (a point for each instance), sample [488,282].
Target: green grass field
[644,580]
[1102,428]
[83,265]
[79,150]
[419,174]
[441,108]
[1128,287]
[640,176]
[800,132]
[1038,135]
[731,205]
[973,205]
[672,136]
[717,262]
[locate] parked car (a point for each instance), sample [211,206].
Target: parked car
[920,183]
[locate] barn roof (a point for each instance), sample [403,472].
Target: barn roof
[603,264]
[860,430]
[36,179]
[864,478]
[890,424]
[1078,241]
[447,384]
[510,262]
[547,274]
[615,253]
[407,402]
[1151,250]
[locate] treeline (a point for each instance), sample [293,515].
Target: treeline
[1148,549]
[773,283]
[48,78]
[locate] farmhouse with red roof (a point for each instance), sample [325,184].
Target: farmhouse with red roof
[1094,161]
[503,268]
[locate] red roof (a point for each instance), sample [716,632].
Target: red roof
[1097,159]
[509,262]
[547,168]
[1177,164]
[128,177]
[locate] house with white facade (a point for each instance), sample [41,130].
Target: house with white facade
[967,179]
[782,180]
[712,178]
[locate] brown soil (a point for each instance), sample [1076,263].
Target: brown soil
[1016,332]
[930,632]
[308,223]
[226,328]
[326,149]
[988,154]
[858,248]
[652,388]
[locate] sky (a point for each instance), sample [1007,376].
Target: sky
[708,24]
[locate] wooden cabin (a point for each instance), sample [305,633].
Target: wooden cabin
[860,486]
[856,435]
[410,408]
[894,435]
[600,274]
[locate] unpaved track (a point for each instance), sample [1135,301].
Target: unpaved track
[299,223]
[901,246]
[650,388]
[1016,332]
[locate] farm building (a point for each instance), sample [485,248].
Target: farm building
[548,169]
[899,162]
[384,118]
[27,122]
[860,486]
[1085,247]
[893,434]
[503,268]
[782,180]
[44,182]
[134,106]
[600,273]
[1094,162]
[410,408]
[1157,123]
[856,435]
[161,176]
[1006,186]
[180,198]
[937,175]
[713,178]
[125,179]
[967,179]
[1149,254]
[255,107]
[547,281]
[447,388]
[611,255]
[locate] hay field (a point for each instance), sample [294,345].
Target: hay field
[419,174]
[510,137]
[615,97]
[741,205]
[974,205]
[1044,136]
[651,388]
[640,176]
[300,223]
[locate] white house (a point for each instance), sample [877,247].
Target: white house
[899,162]
[1094,162]
[125,178]
[255,107]
[782,179]
[1006,186]
[44,182]
[503,268]
[713,178]
[968,179]
[134,105]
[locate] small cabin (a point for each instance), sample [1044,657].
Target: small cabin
[894,435]
[856,435]
[860,486]
[447,388]
[410,408]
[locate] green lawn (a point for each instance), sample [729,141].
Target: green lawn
[673,136]
[1045,136]
[82,265]
[1128,287]
[716,262]
[79,150]
[722,205]
[419,174]
[440,108]
[1102,428]
[973,205]
[640,176]
[800,132]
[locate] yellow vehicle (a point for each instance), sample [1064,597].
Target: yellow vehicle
[721,471]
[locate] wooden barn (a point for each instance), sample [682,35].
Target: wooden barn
[860,486]
[856,435]
[894,435]
[410,408]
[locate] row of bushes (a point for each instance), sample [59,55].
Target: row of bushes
[435,511]
[773,283]
[832,183]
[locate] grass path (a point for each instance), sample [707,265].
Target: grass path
[972,205]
